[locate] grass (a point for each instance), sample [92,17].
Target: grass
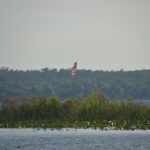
[58,124]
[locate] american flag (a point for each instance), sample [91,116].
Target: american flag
[73,70]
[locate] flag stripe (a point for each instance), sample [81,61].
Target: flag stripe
[73,70]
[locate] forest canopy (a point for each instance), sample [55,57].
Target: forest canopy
[51,82]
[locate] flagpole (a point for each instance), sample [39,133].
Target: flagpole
[73,72]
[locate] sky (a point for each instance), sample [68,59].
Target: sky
[98,34]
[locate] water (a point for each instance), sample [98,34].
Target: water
[73,139]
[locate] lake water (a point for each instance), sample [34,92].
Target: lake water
[73,139]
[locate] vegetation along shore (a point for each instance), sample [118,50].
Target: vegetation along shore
[94,111]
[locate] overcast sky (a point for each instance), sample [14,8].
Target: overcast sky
[98,34]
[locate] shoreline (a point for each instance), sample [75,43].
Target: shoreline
[103,125]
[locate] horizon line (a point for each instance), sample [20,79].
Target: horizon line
[58,69]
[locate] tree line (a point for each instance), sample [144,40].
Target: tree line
[50,82]
[92,107]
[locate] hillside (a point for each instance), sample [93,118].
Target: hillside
[50,82]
